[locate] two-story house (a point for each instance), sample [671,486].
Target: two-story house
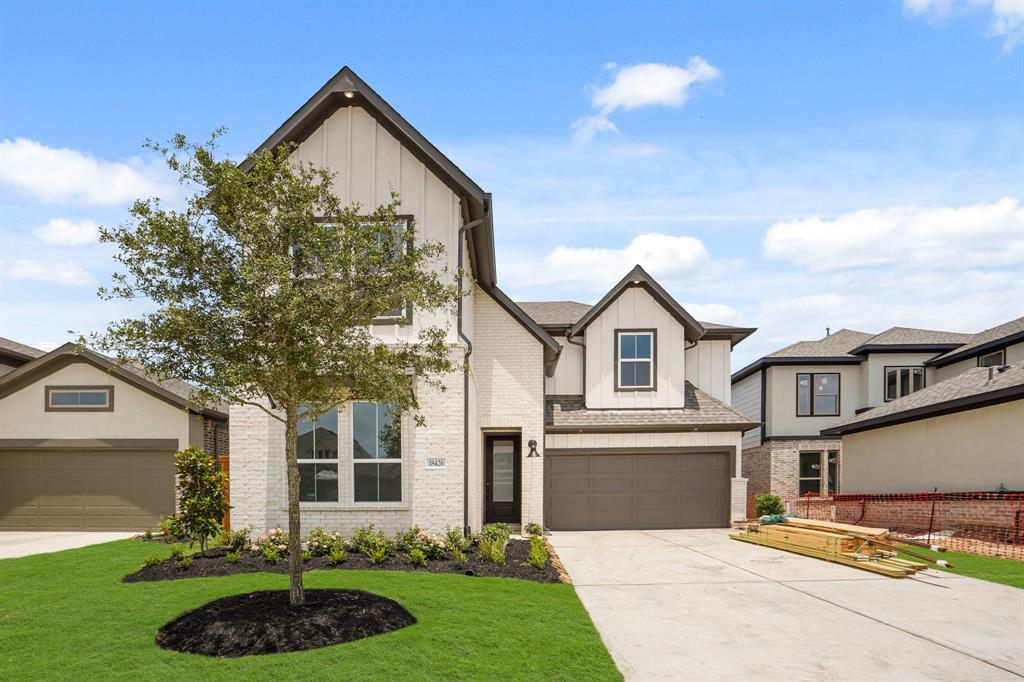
[610,416]
[803,392]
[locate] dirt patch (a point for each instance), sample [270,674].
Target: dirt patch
[265,623]
[213,563]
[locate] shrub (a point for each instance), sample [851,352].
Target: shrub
[459,555]
[306,556]
[170,528]
[456,540]
[275,539]
[152,560]
[202,494]
[184,563]
[534,529]
[538,553]
[322,543]
[337,556]
[496,531]
[432,546]
[270,554]
[766,504]
[177,551]
[235,541]
[377,555]
[233,557]
[494,550]
[417,558]
[147,534]
[369,541]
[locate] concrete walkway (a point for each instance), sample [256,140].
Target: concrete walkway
[15,544]
[696,605]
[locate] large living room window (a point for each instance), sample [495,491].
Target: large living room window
[817,395]
[994,359]
[901,381]
[376,453]
[634,360]
[317,453]
[79,398]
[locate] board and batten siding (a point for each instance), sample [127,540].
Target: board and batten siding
[746,394]
[568,377]
[369,163]
[708,368]
[634,309]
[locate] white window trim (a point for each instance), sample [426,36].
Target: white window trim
[620,360]
[899,381]
[1002,358]
[353,461]
[336,461]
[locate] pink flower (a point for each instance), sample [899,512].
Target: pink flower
[263,536]
[282,547]
[254,547]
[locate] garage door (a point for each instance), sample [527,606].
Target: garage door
[85,489]
[624,491]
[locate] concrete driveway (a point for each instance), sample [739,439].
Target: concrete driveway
[696,605]
[15,544]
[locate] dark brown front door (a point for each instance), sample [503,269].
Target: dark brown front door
[504,479]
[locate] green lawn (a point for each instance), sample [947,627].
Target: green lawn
[1005,571]
[68,616]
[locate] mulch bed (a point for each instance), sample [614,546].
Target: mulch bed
[212,563]
[265,623]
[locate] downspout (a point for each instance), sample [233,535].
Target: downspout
[465,378]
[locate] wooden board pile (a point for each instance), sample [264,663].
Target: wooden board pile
[858,546]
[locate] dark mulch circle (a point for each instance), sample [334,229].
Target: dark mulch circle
[212,563]
[265,623]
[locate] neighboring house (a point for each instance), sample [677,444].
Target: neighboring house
[611,416]
[962,434]
[801,391]
[86,444]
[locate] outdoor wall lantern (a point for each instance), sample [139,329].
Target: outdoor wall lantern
[533,449]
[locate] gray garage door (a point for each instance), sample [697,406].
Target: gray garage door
[85,489]
[641,491]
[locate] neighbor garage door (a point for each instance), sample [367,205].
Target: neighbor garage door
[624,491]
[85,489]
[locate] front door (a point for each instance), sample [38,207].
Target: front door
[504,479]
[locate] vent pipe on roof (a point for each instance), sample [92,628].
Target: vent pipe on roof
[828,331]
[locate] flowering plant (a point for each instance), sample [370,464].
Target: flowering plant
[322,543]
[275,539]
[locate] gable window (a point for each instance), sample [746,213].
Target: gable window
[901,381]
[635,360]
[317,453]
[817,395]
[376,453]
[400,236]
[994,359]
[79,398]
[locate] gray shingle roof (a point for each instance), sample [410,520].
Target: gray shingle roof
[20,349]
[555,313]
[900,336]
[568,413]
[973,341]
[834,345]
[960,391]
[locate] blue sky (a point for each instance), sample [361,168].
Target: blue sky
[789,166]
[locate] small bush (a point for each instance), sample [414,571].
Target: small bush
[494,550]
[306,556]
[337,556]
[152,560]
[177,551]
[377,555]
[322,543]
[496,531]
[234,540]
[372,543]
[766,504]
[432,546]
[538,554]
[271,555]
[534,529]
[275,539]
[233,557]
[170,528]
[459,555]
[456,540]
[417,558]
[184,563]
[147,535]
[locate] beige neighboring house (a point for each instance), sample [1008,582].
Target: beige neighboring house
[579,417]
[962,434]
[88,445]
[800,392]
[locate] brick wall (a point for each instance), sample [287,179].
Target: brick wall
[216,437]
[774,467]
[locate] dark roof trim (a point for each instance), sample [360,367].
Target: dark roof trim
[639,277]
[552,349]
[69,353]
[974,351]
[17,356]
[905,348]
[971,402]
[733,334]
[89,444]
[811,361]
[651,428]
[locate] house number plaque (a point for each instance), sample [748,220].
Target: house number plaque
[437,463]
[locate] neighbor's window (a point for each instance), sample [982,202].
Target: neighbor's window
[901,381]
[85,398]
[635,353]
[817,395]
[833,472]
[810,473]
[991,359]
[376,453]
[317,452]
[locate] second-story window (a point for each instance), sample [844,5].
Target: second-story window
[901,381]
[991,359]
[635,360]
[817,395]
[400,235]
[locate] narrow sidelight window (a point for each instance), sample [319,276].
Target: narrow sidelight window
[817,395]
[833,472]
[317,453]
[901,381]
[635,360]
[376,453]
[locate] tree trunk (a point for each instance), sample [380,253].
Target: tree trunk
[296,594]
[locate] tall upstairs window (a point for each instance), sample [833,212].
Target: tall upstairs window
[901,381]
[634,360]
[817,395]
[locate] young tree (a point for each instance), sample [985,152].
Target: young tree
[263,289]
[202,494]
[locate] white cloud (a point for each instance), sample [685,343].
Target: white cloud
[981,235]
[47,345]
[64,273]
[641,85]
[1005,17]
[52,174]
[68,232]
[714,312]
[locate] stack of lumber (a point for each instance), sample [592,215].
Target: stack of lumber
[859,546]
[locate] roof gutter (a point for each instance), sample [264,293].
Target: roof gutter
[463,237]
